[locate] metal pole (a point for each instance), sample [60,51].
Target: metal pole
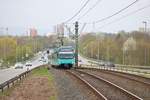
[98,42]
[93,26]
[145,29]
[91,50]
[76,50]
[123,57]
[145,26]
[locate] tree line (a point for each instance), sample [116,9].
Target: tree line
[21,48]
[130,48]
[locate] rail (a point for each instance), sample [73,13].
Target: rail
[89,85]
[133,96]
[95,61]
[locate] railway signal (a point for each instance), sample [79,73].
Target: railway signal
[76,41]
[47,51]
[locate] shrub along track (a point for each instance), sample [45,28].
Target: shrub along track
[103,88]
[135,84]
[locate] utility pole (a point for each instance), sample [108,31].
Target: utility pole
[145,30]
[93,26]
[6,31]
[76,41]
[98,49]
[62,43]
[145,26]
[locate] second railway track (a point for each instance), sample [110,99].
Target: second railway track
[138,78]
[105,89]
[138,87]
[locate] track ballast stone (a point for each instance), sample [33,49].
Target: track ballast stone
[69,88]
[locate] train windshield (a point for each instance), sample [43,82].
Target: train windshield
[66,50]
[66,56]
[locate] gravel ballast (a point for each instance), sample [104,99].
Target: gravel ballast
[70,88]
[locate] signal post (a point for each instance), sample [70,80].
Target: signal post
[76,42]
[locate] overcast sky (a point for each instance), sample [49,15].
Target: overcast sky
[19,15]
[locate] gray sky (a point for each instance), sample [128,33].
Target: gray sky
[44,14]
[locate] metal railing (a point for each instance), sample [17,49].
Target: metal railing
[12,81]
[121,69]
[95,61]
[16,78]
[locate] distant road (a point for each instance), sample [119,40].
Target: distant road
[83,60]
[6,74]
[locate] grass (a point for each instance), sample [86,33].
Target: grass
[52,98]
[8,91]
[42,71]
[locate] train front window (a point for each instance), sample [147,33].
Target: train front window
[65,56]
[66,50]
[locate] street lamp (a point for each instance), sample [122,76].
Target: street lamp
[145,30]
[145,26]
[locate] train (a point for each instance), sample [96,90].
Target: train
[63,57]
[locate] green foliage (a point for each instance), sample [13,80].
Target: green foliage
[20,49]
[42,71]
[110,47]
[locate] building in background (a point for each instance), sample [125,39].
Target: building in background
[33,32]
[60,30]
[3,31]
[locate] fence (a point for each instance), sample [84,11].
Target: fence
[120,69]
[95,61]
[13,80]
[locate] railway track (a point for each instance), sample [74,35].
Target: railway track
[137,87]
[103,88]
[134,77]
[97,93]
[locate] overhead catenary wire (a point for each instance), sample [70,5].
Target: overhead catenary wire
[82,27]
[69,29]
[108,17]
[124,16]
[103,19]
[77,12]
[91,8]
[116,13]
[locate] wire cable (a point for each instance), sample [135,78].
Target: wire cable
[96,3]
[129,14]
[77,12]
[118,12]
[82,27]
